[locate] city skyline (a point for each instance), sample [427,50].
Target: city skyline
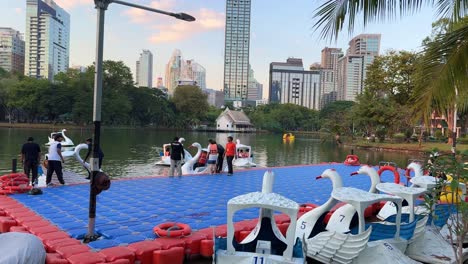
[129,30]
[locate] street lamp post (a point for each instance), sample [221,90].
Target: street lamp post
[101,6]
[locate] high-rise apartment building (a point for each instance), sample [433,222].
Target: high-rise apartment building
[290,83]
[195,72]
[11,50]
[236,50]
[144,69]
[180,71]
[352,68]
[47,39]
[174,71]
[329,74]
[254,88]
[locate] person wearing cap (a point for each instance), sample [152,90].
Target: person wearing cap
[31,158]
[55,159]
[177,155]
[89,142]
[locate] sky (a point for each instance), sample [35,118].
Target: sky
[279,30]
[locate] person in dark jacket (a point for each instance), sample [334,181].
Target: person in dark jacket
[177,155]
[219,163]
[31,157]
[89,142]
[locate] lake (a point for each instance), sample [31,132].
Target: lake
[134,152]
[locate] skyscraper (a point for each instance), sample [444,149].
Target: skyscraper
[290,83]
[195,72]
[329,74]
[254,88]
[352,68]
[144,69]
[174,70]
[11,50]
[47,39]
[236,49]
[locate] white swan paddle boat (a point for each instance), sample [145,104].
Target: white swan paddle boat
[265,243]
[67,142]
[328,246]
[426,244]
[166,155]
[244,156]
[187,168]
[332,245]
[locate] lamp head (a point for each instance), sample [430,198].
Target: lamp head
[184,16]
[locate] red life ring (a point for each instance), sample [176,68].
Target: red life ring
[352,160]
[172,229]
[390,168]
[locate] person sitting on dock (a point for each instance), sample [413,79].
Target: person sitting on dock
[202,160]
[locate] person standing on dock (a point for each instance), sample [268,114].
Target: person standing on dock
[31,158]
[177,155]
[219,162]
[55,159]
[89,142]
[230,153]
[212,155]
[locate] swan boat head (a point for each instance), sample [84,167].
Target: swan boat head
[78,157]
[416,167]
[310,223]
[372,173]
[187,168]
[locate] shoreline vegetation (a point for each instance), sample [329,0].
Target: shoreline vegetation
[358,143]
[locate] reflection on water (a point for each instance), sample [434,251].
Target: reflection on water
[134,152]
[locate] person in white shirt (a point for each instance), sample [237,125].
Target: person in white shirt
[55,160]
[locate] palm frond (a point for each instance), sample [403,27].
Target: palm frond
[332,15]
[453,9]
[444,67]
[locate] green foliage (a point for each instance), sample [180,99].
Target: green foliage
[453,168]
[336,117]
[282,117]
[192,102]
[393,75]
[463,140]
[399,137]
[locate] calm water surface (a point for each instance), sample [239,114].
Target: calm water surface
[134,152]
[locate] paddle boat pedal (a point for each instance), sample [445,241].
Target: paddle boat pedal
[265,243]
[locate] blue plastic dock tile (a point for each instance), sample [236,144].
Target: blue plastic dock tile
[73,225]
[127,239]
[103,243]
[78,233]
[114,233]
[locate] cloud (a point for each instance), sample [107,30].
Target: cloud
[69,4]
[140,16]
[169,29]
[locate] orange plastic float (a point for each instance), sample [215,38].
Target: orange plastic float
[393,169]
[172,229]
[352,160]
